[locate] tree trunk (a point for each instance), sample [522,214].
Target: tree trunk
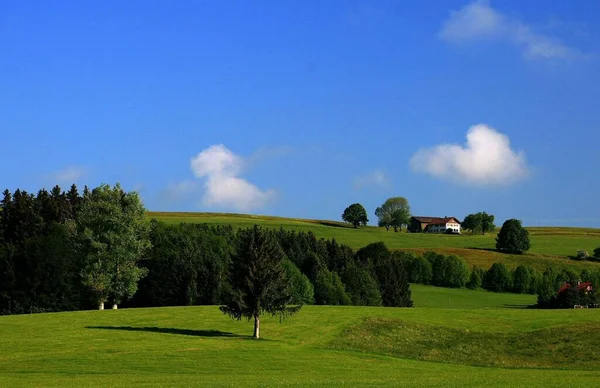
[256,327]
[101,306]
[114,306]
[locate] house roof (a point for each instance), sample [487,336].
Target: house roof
[580,286]
[435,220]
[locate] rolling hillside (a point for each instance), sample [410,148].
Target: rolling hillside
[452,338]
[548,245]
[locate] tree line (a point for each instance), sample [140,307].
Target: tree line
[70,251]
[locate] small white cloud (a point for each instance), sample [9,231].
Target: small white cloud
[68,175]
[223,186]
[486,159]
[478,21]
[373,178]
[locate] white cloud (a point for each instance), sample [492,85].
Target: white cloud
[478,21]
[486,159]
[373,178]
[68,175]
[223,186]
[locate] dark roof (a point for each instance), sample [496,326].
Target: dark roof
[580,286]
[435,220]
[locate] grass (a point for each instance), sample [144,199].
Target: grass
[199,346]
[548,245]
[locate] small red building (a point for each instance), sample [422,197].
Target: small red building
[585,286]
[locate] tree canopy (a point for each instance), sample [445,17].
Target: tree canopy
[355,214]
[513,238]
[112,236]
[481,222]
[394,212]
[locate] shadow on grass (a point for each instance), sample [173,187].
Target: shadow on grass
[335,224]
[517,306]
[170,330]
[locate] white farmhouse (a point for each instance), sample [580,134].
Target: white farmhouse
[435,225]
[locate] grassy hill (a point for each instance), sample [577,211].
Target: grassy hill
[548,245]
[454,338]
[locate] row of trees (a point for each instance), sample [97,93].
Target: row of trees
[451,271]
[66,251]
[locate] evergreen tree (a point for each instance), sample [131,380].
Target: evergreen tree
[258,280]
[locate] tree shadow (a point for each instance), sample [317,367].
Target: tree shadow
[170,330]
[334,224]
[517,306]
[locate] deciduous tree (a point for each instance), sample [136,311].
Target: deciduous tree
[513,238]
[355,214]
[112,234]
[394,212]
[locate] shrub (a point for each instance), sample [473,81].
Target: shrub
[582,255]
[597,252]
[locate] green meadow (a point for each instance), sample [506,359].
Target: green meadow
[451,338]
[548,245]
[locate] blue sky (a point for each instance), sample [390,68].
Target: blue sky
[300,108]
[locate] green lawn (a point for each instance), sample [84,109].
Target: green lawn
[443,341]
[548,245]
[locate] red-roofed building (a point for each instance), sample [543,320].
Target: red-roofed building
[581,286]
[434,224]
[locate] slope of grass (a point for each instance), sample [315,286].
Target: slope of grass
[548,245]
[199,346]
[565,347]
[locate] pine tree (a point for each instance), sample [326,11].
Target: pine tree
[258,280]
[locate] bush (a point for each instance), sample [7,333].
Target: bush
[513,238]
[498,278]
[597,252]
[582,255]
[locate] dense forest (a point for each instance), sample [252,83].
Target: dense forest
[62,250]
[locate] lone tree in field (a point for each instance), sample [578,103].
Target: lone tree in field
[394,212]
[355,214]
[479,223]
[513,238]
[112,235]
[258,279]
